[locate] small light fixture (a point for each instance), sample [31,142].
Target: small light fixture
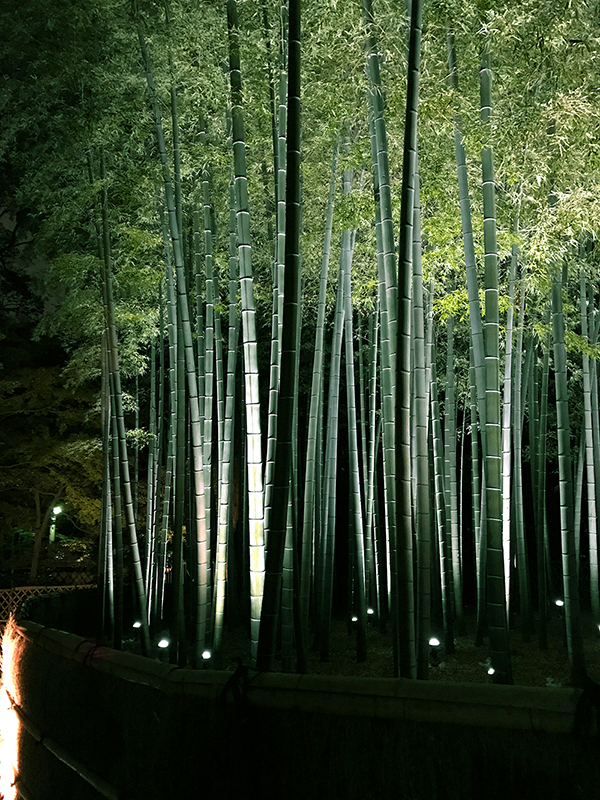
[370,611]
[137,624]
[206,655]
[491,671]
[163,643]
[559,603]
[57,510]
[434,642]
[354,619]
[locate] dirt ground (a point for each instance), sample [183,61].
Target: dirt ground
[530,665]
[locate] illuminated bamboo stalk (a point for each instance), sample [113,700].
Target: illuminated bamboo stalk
[107,577]
[209,363]
[468,244]
[544,566]
[496,598]
[404,547]
[535,446]
[589,455]
[388,307]
[476,490]
[565,484]
[370,568]
[356,528]
[290,348]
[451,500]
[520,384]
[593,330]
[273,404]
[152,478]
[252,395]
[278,273]
[117,504]
[120,418]
[578,497]
[507,421]
[310,530]
[227,453]
[200,286]
[156,569]
[423,497]
[370,525]
[178,644]
[190,361]
[380,543]
[477,341]
[168,489]
[330,477]
[442,543]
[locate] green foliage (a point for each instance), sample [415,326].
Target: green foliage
[581,345]
[48,441]
[456,304]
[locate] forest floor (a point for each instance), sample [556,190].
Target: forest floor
[530,665]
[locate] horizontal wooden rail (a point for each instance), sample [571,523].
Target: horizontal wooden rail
[550,710]
[57,750]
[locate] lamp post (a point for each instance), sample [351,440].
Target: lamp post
[55,512]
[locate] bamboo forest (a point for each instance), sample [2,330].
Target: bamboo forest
[326,280]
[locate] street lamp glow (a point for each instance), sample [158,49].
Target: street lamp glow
[163,643]
[52,534]
[434,642]
[491,671]
[370,611]
[559,603]
[354,619]
[137,624]
[206,655]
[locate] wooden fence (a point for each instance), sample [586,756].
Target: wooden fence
[12,599]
